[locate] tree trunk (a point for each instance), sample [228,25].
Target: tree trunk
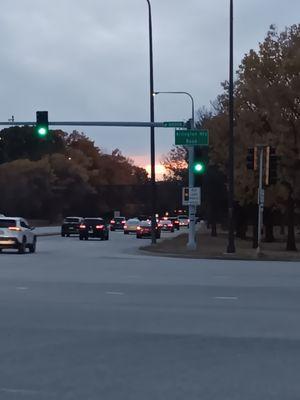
[269,224]
[214,229]
[291,239]
[255,227]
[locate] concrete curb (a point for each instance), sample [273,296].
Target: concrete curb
[159,253]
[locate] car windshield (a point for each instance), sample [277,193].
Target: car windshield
[6,223]
[133,221]
[119,219]
[145,223]
[71,219]
[94,221]
[182,217]
[165,222]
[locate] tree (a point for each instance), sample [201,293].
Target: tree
[267,110]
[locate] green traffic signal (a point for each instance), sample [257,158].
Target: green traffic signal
[42,131]
[42,124]
[199,168]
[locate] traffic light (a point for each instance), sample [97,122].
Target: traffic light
[271,166]
[252,158]
[188,124]
[185,195]
[200,163]
[42,124]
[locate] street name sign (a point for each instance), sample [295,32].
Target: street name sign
[174,124]
[192,137]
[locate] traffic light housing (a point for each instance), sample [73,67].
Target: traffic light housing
[252,158]
[188,124]
[200,164]
[42,124]
[271,166]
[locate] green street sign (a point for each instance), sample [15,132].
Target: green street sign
[192,137]
[174,124]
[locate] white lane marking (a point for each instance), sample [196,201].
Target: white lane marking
[115,293]
[225,298]
[19,391]
[22,288]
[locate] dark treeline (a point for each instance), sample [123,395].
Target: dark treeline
[69,175]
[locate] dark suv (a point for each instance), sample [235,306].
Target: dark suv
[93,228]
[70,226]
[117,223]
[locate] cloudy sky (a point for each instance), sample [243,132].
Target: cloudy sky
[88,60]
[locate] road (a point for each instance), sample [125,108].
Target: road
[99,320]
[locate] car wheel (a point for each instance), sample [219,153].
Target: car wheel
[80,238]
[22,246]
[32,247]
[126,233]
[68,235]
[86,238]
[63,235]
[172,230]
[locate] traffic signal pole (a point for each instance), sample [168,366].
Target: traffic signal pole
[260,198]
[191,245]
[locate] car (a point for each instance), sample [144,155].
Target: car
[183,220]
[70,226]
[175,222]
[93,228]
[117,223]
[15,233]
[166,225]
[131,225]
[144,230]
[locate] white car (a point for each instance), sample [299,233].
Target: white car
[183,220]
[15,233]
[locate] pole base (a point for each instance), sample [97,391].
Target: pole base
[191,246]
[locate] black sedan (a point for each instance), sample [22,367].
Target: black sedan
[70,226]
[144,230]
[93,228]
[117,223]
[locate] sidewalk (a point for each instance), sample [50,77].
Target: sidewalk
[209,247]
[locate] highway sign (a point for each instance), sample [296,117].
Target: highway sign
[192,137]
[174,124]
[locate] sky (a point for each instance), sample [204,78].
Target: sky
[89,60]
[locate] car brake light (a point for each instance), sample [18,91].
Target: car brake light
[82,226]
[112,222]
[123,222]
[15,228]
[170,226]
[188,220]
[99,226]
[138,228]
[125,226]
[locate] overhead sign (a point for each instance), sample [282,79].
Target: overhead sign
[191,196]
[174,124]
[192,137]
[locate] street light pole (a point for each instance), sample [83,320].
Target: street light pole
[231,245]
[192,208]
[152,133]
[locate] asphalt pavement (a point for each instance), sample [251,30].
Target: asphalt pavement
[102,320]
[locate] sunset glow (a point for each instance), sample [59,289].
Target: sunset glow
[159,170]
